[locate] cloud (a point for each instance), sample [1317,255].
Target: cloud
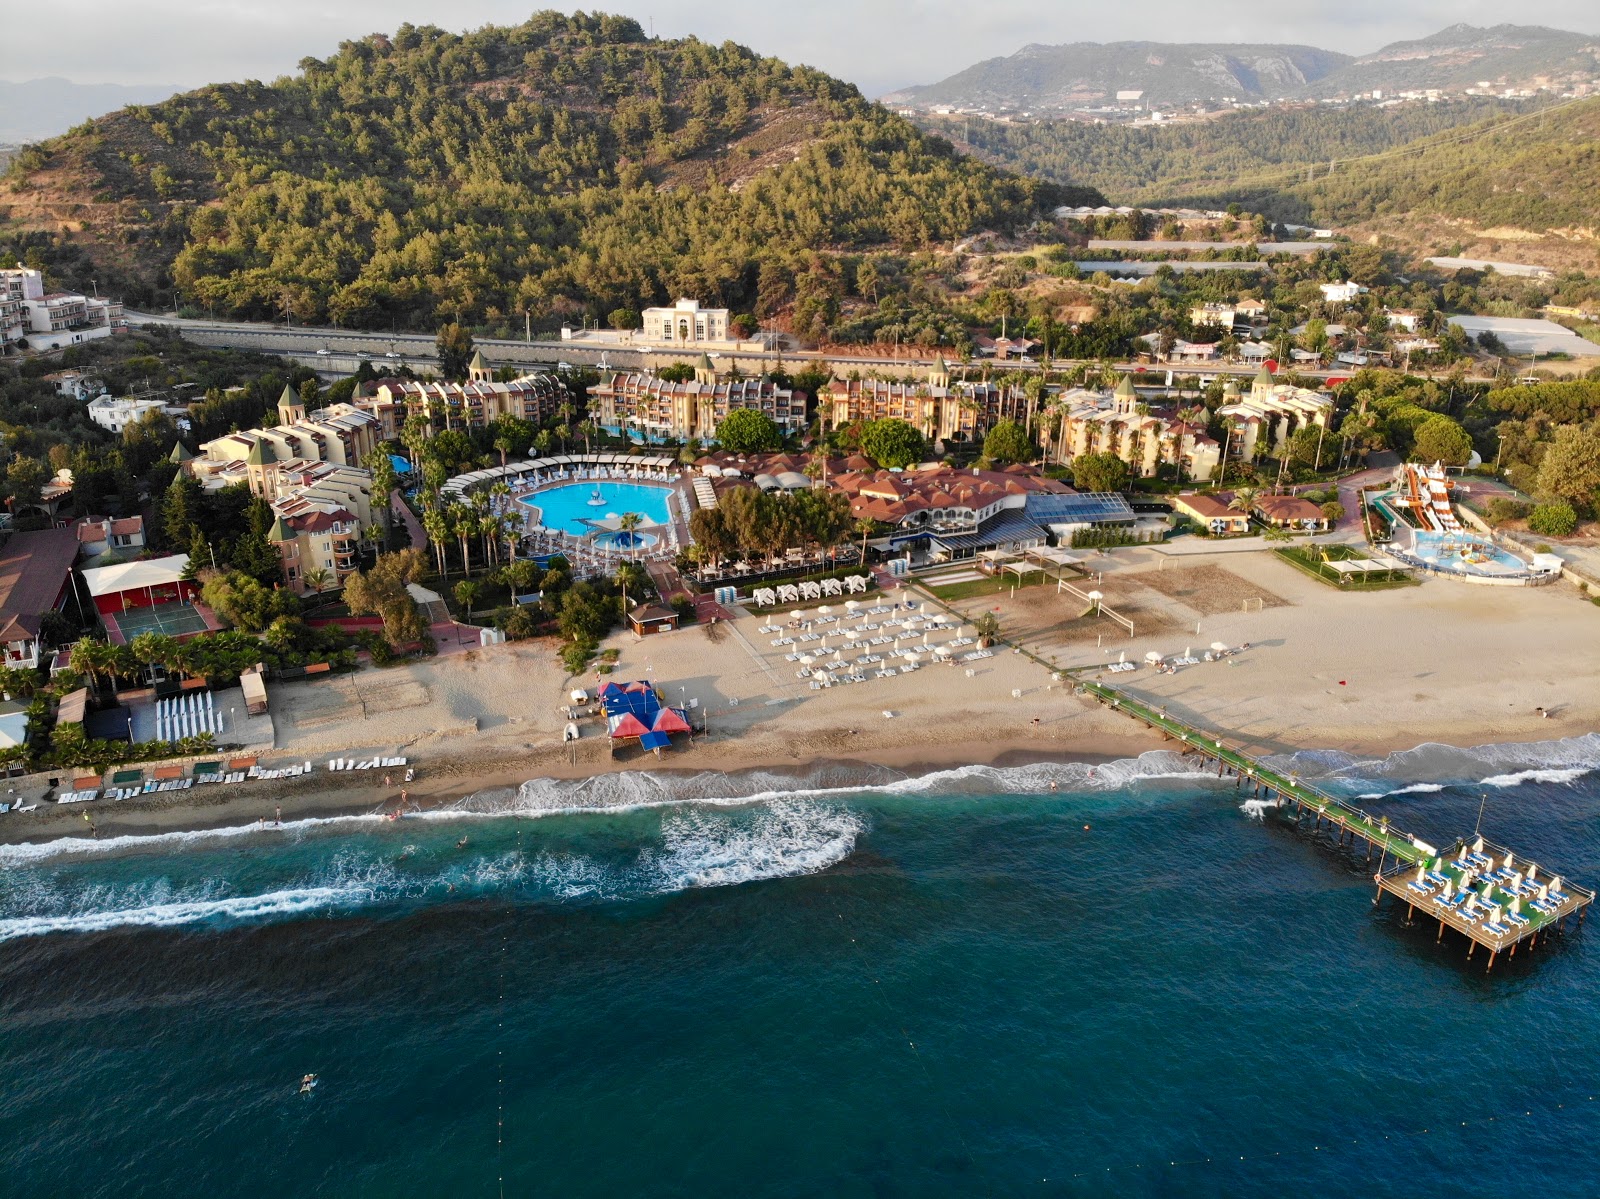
[877,44]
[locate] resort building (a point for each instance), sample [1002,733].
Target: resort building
[41,320]
[321,541]
[1214,513]
[938,410]
[75,385]
[35,577]
[1217,316]
[1289,512]
[685,324]
[1120,424]
[655,409]
[1269,414]
[475,404]
[339,434]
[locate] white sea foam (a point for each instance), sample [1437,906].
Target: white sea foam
[1564,775]
[1412,789]
[26,853]
[1257,809]
[291,901]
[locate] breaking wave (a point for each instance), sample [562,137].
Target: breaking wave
[694,849]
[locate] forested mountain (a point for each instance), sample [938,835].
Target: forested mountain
[563,166]
[1131,164]
[1463,56]
[1087,74]
[1534,173]
[1044,78]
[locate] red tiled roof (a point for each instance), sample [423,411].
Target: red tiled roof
[33,567]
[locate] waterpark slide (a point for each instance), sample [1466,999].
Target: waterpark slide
[1428,493]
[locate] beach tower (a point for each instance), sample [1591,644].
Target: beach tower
[291,408]
[479,370]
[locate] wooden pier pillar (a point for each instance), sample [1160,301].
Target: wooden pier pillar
[1472,946]
[1514,945]
[1440,937]
[1411,908]
[1490,966]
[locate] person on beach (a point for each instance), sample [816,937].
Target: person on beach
[386,782]
[277,814]
[404,796]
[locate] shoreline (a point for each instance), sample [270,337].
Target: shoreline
[449,779]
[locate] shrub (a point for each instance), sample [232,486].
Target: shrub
[1556,519]
[1503,509]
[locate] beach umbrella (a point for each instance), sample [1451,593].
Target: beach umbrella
[1153,656]
[796,614]
[806,659]
[852,605]
[913,658]
[1219,645]
[1123,656]
[824,610]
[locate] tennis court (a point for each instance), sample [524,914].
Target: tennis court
[172,620]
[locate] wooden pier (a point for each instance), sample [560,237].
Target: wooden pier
[1492,895]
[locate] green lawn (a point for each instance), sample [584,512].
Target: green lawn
[974,588]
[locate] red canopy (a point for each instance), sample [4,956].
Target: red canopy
[668,721]
[629,725]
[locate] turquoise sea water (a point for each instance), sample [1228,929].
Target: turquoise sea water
[565,508]
[710,985]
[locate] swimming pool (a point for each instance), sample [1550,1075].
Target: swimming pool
[570,507]
[1463,553]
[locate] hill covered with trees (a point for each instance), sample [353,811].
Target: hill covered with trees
[567,166]
[1142,163]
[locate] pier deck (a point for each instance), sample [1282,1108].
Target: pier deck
[1487,892]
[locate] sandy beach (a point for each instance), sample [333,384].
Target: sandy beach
[1363,673]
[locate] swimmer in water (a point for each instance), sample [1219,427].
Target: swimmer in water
[461,844]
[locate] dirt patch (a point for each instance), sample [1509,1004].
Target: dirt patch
[1040,616]
[1209,590]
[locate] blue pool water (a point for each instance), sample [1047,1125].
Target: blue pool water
[565,508]
[807,984]
[1462,553]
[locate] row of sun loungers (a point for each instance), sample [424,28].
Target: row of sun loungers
[364,763]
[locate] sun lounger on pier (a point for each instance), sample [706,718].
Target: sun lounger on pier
[1419,889]
[1437,879]
[1557,898]
[1517,919]
[1498,930]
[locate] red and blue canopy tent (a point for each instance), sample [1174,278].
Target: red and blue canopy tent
[635,710]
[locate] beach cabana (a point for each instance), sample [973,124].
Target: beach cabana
[635,710]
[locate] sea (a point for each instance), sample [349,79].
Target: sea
[1046,979]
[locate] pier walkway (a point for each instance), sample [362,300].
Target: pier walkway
[1490,894]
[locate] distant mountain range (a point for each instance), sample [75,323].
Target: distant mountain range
[1043,79]
[41,108]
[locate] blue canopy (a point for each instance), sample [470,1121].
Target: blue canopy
[655,740]
[401,466]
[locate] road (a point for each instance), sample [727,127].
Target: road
[347,349]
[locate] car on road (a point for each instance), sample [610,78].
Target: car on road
[390,354]
[323,353]
[564,366]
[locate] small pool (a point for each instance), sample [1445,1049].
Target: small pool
[569,507]
[1466,555]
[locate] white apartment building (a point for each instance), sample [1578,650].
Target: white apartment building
[33,318]
[116,413]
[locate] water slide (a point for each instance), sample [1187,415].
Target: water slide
[1428,493]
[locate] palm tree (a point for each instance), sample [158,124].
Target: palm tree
[468,592]
[464,524]
[627,523]
[93,659]
[437,526]
[317,579]
[505,445]
[865,528]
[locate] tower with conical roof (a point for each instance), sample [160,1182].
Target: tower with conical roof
[939,375]
[705,371]
[259,465]
[479,370]
[180,454]
[1262,385]
[1125,399]
[291,408]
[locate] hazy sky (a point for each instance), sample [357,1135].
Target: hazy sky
[877,44]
